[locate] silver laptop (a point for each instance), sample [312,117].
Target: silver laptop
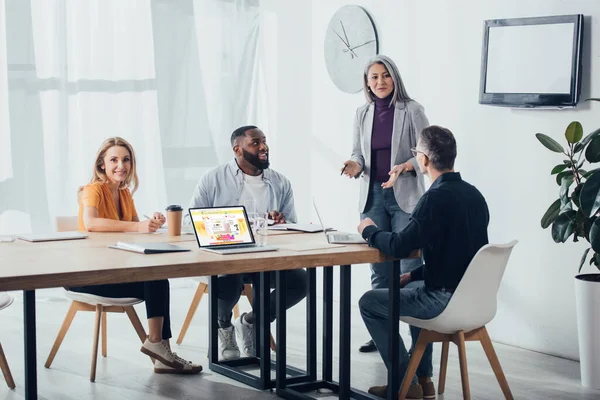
[224,230]
[338,237]
[49,237]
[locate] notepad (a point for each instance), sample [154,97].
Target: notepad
[148,248]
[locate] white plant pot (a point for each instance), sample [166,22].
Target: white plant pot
[587,295]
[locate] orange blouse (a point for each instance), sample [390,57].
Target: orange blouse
[98,195]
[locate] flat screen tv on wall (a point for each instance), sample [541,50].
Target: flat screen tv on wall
[532,62]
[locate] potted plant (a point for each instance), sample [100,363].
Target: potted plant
[575,214]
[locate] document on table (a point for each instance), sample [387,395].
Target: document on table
[309,246]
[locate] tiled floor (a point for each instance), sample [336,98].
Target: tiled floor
[127,374]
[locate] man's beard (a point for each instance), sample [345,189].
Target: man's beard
[255,160]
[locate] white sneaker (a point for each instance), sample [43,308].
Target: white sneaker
[228,348]
[245,332]
[188,367]
[166,361]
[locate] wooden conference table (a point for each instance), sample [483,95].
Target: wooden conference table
[29,266]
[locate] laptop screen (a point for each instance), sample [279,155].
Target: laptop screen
[221,226]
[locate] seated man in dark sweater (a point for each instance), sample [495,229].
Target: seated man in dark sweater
[450,225]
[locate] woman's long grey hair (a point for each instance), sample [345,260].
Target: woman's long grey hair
[399,89]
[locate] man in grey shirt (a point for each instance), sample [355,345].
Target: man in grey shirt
[248,178]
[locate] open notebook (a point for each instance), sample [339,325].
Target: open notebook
[148,248]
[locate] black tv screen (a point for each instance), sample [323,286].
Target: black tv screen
[532,62]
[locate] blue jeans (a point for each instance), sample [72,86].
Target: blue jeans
[383,209]
[417,302]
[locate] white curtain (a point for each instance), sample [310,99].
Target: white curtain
[172,77]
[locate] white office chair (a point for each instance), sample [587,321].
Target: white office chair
[471,307]
[5,301]
[200,291]
[98,304]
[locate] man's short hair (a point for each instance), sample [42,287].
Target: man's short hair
[241,131]
[439,146]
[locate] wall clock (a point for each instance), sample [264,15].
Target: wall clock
[350,41]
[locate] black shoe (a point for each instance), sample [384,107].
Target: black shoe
[368,347]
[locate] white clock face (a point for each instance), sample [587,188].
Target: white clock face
[350,41]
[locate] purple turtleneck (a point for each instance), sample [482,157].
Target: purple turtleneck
[381,139]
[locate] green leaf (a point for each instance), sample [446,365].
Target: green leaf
[564,190]
[579,146]
[575,195]
[574,132]
[563,226]
[587,174]
[590,195]
[565,174]
[595,235]
[558,168]
[550,214]
[582,226]
[592,152]
[585,253]
[549,143]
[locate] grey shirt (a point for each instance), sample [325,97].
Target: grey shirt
[409,121]
[223,186]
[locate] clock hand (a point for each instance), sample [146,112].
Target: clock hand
[353,54]
[346,36]
[360,45]
[347,41]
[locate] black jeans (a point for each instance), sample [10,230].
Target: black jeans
[155,294]
[231,287]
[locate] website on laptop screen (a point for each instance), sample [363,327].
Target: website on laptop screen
[221,226]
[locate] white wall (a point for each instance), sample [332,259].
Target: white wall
[437,46]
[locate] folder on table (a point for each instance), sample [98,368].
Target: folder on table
[148,248]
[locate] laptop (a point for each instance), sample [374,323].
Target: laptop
[49,237]
[338,237]
[224,230]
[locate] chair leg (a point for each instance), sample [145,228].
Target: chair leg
[415,359]
[104,345]
[62,332]
[6,370]
[462,357]
[488,347]
[190,314]
[137,325]
[135,321]
[443,367]
[236,312]
[273,344]
[96,340]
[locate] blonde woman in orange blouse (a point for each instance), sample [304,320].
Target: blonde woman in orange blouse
[106,205]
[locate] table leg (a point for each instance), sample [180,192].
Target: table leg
[311,325]
[30,344]
[394,331]
[213,324]
[345,310]
[328,324]
[264,349]
[281,285]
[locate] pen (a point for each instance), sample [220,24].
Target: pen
[343,169]
[146,216]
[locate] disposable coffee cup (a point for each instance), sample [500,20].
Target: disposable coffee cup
[174,216]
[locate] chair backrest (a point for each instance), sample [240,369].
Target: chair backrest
[473,303]
[5,300]
[67,224]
